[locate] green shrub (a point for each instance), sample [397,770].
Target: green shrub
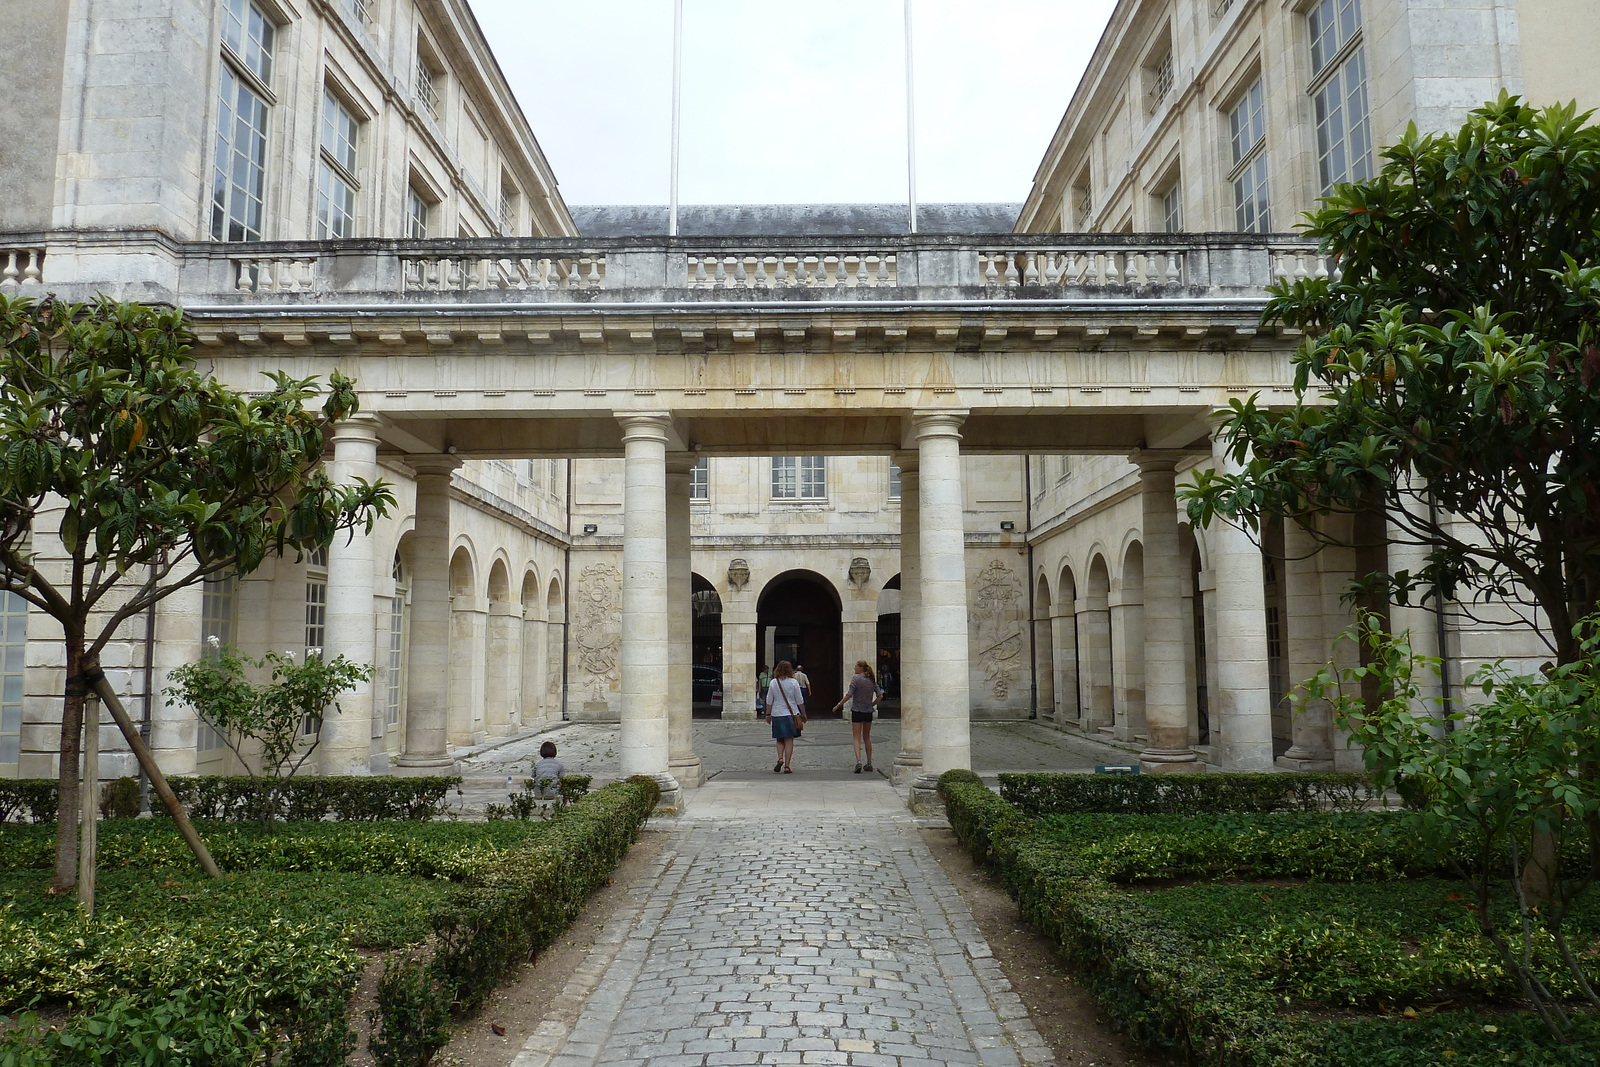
[345,798]
[1184,794]
[33,799]
[528,804]
[412,1019]
[178,1030]
[120,799]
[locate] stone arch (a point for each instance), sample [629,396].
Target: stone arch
[1044,650]
[1127,633]
[1097,658]
[1195,605]
[462,569]
[555,634]
[502,660]
[468,642]
[799,616]
[1068,647]
[532,648]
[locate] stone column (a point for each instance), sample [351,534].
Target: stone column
[346,746]
[1241,716]
[427,671]
[535,668]
[1044,662]
[1063,632]
[908,764]
[175,728]
[1309,646]
[1094,679]
[1420,622]
[645,641]
[502,702]
[738,655]
[682,763]
[469,633]
[1127,671]
[1166,673]
[944,651]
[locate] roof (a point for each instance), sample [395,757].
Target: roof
[780,220]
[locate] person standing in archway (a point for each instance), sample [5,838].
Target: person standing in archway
[785,713]
[862,696]
[805,683]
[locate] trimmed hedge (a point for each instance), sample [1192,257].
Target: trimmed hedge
[507,909]
[1166,988]
[1183,794]
[232,798]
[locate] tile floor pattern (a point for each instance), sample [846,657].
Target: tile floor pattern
[790,920]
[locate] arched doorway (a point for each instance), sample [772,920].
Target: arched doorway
[888,665]
[797,619]
[706,670]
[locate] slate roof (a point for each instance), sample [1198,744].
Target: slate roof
[790,220]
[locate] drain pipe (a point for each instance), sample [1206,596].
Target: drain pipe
[566,595]
[1033,626]
[145,723]
[1445,697]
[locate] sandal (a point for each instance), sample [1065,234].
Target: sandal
[788,770]
[868,767]
[776,767]
[858,766]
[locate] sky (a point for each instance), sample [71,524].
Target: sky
[793,101]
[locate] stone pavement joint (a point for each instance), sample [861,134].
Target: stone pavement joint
[791,920]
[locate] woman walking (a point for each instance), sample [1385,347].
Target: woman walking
[786,709]
[862,696]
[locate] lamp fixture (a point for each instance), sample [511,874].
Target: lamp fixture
[1008,525]
[590,528]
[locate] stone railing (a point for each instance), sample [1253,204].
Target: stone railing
[21,266]
[597,271]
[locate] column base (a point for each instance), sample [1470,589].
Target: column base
[907,766]
[1169,761]
[689,771]
[406,759]
[672,799]
[739,714]
[595,711]
[1307,763]
[925,795]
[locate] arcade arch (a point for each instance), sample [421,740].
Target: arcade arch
[798,618]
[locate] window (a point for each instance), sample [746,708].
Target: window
[358,10]
[894,481]
[417,208]
[428,82]
[316,615]
[1158,74]
[1339,92]
[799,478]
[336,173]
[510,206]
[1172,209]
[1082,200]
[218,618]
[13,658]
[239,171]
[398,611]
[1248,133]
[699,480]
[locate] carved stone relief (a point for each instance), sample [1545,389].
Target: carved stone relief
[596,628]
[997,609]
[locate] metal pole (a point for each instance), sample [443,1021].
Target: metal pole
[911,126]
[677,107]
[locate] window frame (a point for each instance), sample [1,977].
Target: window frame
[333,166]
[1248,113]
[799,479]
[1332,93]
[244,75]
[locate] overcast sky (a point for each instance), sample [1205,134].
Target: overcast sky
[793,101]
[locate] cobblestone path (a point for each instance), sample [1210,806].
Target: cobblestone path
[790,921]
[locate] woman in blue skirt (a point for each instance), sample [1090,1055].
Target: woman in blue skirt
[786,709]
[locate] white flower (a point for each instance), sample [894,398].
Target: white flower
[214,641]
[310,652]
[288,654]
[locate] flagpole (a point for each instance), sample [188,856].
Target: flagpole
[911,127]
[677,106]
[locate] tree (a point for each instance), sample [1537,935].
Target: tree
[1505,774]
[1447,377]
[155,477]
[282,717]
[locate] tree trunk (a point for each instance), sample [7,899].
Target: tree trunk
[1543,867]
[68,780]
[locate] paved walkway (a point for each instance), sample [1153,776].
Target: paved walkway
[791,919]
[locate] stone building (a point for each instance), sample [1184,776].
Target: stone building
[631,469]
[1209,115]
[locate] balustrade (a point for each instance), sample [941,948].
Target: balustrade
[447,274]
[274,274]
[872,270]
[21,266]
[1293,264]
[1085,267]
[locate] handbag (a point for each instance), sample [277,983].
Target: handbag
[799,717]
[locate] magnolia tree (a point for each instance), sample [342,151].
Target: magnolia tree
[1447,382]
[154,476]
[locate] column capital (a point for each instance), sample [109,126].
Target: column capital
[944,422]
[436,464]
[355,428]
[1158,460]
[646,426]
